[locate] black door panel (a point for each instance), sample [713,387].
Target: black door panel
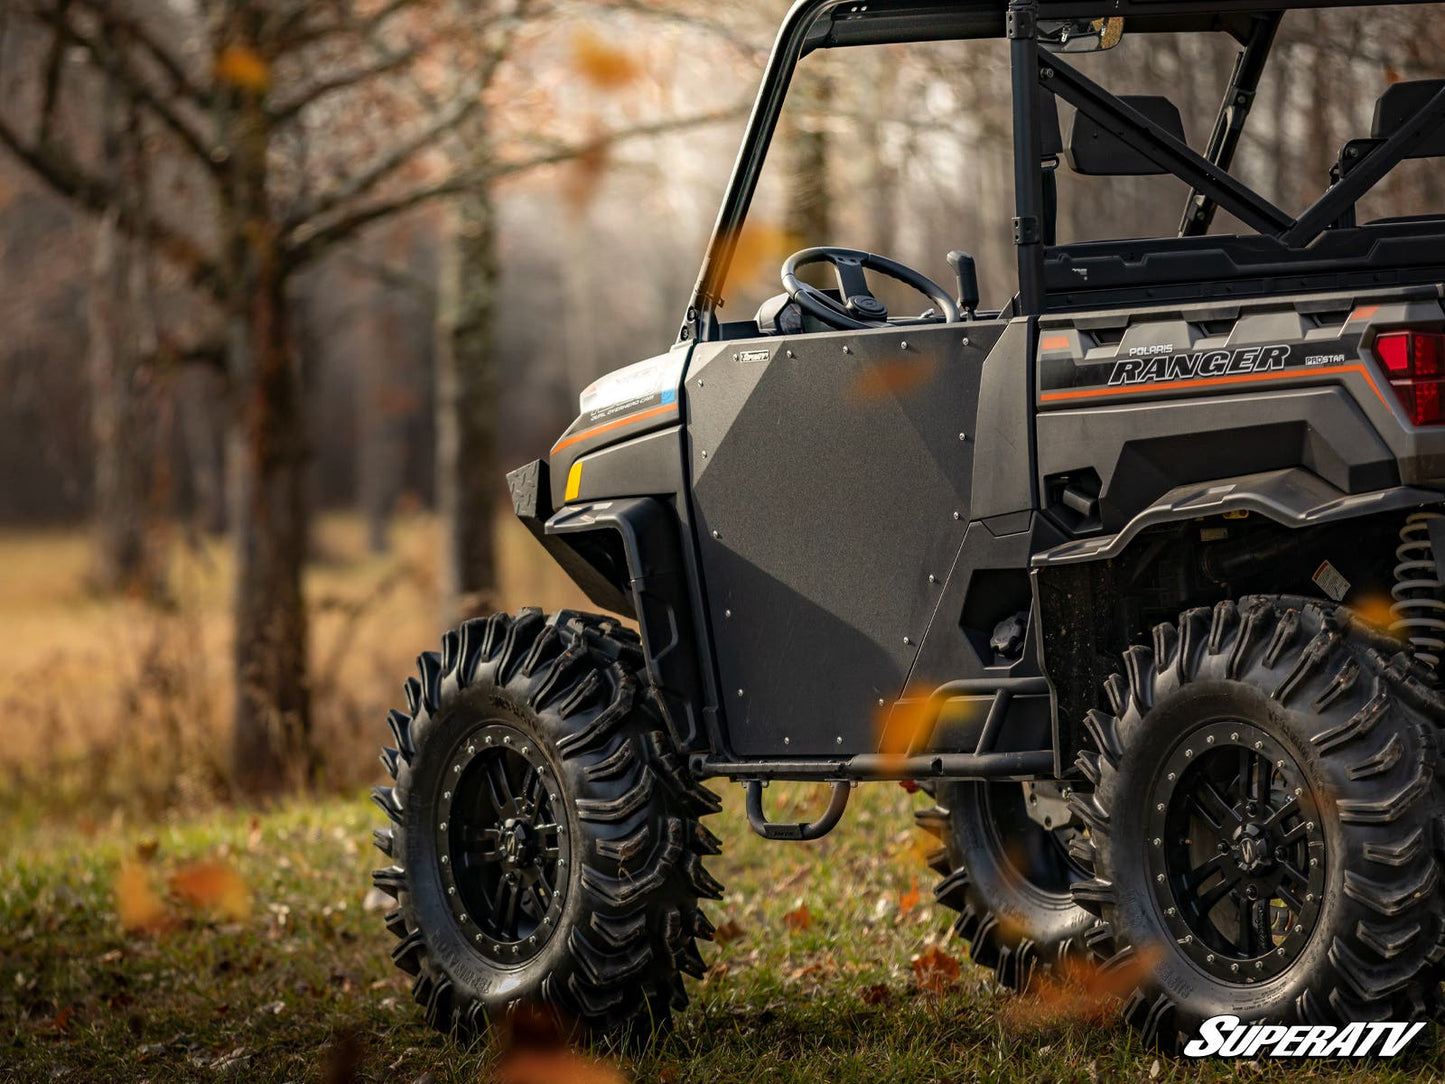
[830,481]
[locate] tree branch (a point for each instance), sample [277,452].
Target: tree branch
[715,27]
[112,62]
[50,92]
[318,90]
[305,245]
[360,184]
[293,35]
[93,194]
[169,64]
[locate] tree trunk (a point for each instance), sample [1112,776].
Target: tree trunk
[805,148]
[121,404]
[468,472]
[268,459]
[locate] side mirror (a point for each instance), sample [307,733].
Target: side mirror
[967,276]
[1080,35]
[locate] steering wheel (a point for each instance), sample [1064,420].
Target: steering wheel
[859,309]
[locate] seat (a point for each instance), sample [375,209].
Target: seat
[1094,151]
[1397,105]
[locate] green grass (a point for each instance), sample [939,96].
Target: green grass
[267,998]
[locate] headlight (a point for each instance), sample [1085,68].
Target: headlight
[634,384]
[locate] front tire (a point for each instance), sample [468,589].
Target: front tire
[1264,822]
[544,833]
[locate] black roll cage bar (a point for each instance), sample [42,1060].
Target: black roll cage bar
[815,24]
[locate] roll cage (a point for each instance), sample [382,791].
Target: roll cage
[1284,252]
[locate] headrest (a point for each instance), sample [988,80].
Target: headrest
[1095,152]
[1051,142]
[1398,104]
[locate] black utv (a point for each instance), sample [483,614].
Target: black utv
[1106,579]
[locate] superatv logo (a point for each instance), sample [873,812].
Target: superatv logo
[1206,363]
[1225,1037]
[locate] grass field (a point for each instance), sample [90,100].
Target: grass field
[292,981]
[120,707]
[252,953]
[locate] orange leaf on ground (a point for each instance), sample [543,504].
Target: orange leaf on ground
[935,970]
[62,1019]
[1084,993]
[800,918]
[137,904]
[876,994]
[242,67]
[909,900]
[213,886]
[727,933]
[555,1067]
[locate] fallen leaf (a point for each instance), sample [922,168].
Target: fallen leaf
[605,66]
[61,1022]
[242,67]
[877,994]
[1154,1069]
[799,918]
[1085,993]
[909,900]
[213,886]
[727,933]
[555,1067]
[934,969]
[146,849]
[137,904]
[759,248]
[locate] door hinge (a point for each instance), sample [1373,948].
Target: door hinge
[1027,230]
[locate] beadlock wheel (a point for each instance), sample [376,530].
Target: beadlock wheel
[1238,855]
[503,843]
[545,838]
[1263,809]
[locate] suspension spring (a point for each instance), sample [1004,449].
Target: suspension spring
[1418,611]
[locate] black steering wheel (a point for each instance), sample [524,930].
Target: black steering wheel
[859,309]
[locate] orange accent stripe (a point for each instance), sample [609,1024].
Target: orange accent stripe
[617,424]
[1364,312]
[1214,381]
[1054,342]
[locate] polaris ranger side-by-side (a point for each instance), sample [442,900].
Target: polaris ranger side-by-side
[1099,574]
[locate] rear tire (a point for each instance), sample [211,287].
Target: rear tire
[1008,878]
[1265,822]
[544,832]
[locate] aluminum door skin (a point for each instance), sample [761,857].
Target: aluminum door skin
[831,478]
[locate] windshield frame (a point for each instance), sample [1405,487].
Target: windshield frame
[817,24]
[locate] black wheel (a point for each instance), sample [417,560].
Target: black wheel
[544,833]
[1263,824]
[1007,870]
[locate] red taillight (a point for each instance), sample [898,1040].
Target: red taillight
[1415,363]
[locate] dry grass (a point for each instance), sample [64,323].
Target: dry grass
[122,706]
